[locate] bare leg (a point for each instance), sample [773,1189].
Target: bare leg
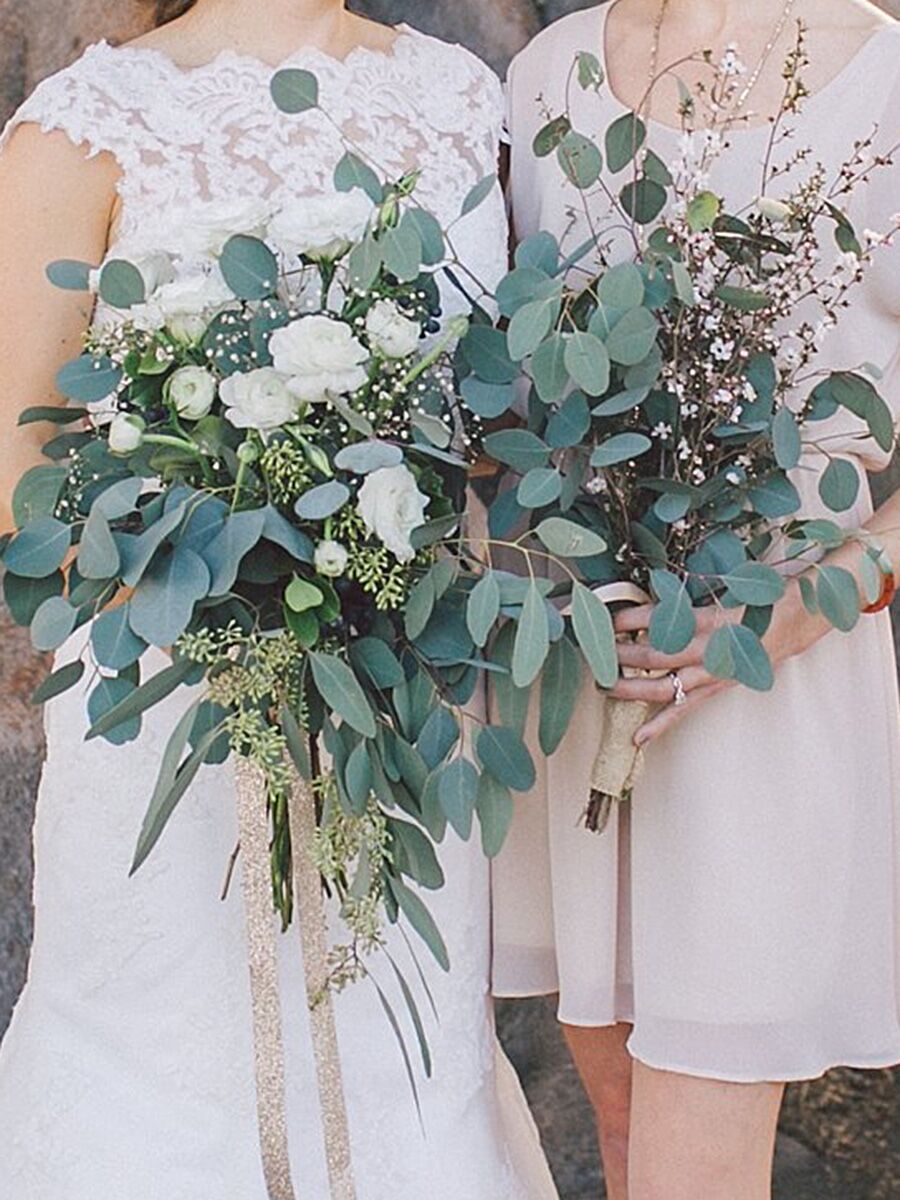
[693,1138]
[605,1069]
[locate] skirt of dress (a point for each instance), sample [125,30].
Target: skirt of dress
[743,912]
[128,1068]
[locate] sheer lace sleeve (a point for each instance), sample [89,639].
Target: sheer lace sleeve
[85,103]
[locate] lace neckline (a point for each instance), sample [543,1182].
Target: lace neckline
[405,37]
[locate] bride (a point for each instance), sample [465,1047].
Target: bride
[128,1068]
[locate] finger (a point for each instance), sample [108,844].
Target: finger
[633,619]
[660,690]
[643,657]
[672,713]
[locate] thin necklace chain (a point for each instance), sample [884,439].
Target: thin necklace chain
[767,53]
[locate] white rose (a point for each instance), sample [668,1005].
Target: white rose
[189,304]
[320,356]
[394,335]
[207,227]
[391,507]
[191,391]
[775,210]
[331,559]
[126,432]
[258,400]
[322,227]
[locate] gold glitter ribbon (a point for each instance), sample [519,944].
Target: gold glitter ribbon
[265,993]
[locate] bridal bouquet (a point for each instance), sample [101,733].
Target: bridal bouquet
[675,389]
[263,469]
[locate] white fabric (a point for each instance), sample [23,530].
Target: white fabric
[128,1069]
[745,914]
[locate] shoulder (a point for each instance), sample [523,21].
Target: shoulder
[560,41]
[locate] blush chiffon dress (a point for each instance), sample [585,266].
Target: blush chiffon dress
[743,912]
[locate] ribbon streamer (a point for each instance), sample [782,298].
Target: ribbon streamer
[264,986]
[314,939]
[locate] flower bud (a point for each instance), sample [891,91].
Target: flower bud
[191,392]
[775,210]
[331,559]
[126,433]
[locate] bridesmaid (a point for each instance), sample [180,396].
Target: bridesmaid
[738,925]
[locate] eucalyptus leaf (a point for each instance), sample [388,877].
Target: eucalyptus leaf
[560,687]
[624,138]
[588,362]
[479,193]
[153,692]
[89,378]
[495,808]
[581,159]
[323,501]
[540,487]
[483,608]
[107,695]
[457,792]
[70,274]
[839,485]
[25,596]
[341,691]
[98,555]
[58,682]
[549,370]
[518,448]
[351,172]
[438,736]
[594,632]
[227,550]
[37,493]
[295,91]
[754,583]
[121,285]
[39,549]
[249,267]
[633,337]
[163,603]
[532,642]
[621,447]
[837,594]
[674,623]
[504,755]
[643,200]
[52,624]
[114,643]
[567,539]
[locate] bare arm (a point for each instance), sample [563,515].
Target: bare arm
[55,203]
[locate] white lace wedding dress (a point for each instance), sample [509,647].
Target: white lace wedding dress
[127,1073]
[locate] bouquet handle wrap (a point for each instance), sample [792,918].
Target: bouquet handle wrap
[617,766]
[267,1018]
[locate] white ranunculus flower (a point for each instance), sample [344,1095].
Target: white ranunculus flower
[126,432]
[391,507]
[331,559]
[390,332]
[775,210]
[322,227]
[191,391]
[320,356]
[258,400]
[208,226]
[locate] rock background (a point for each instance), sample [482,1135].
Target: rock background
[841,1137]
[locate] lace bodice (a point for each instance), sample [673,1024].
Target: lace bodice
[210,137]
